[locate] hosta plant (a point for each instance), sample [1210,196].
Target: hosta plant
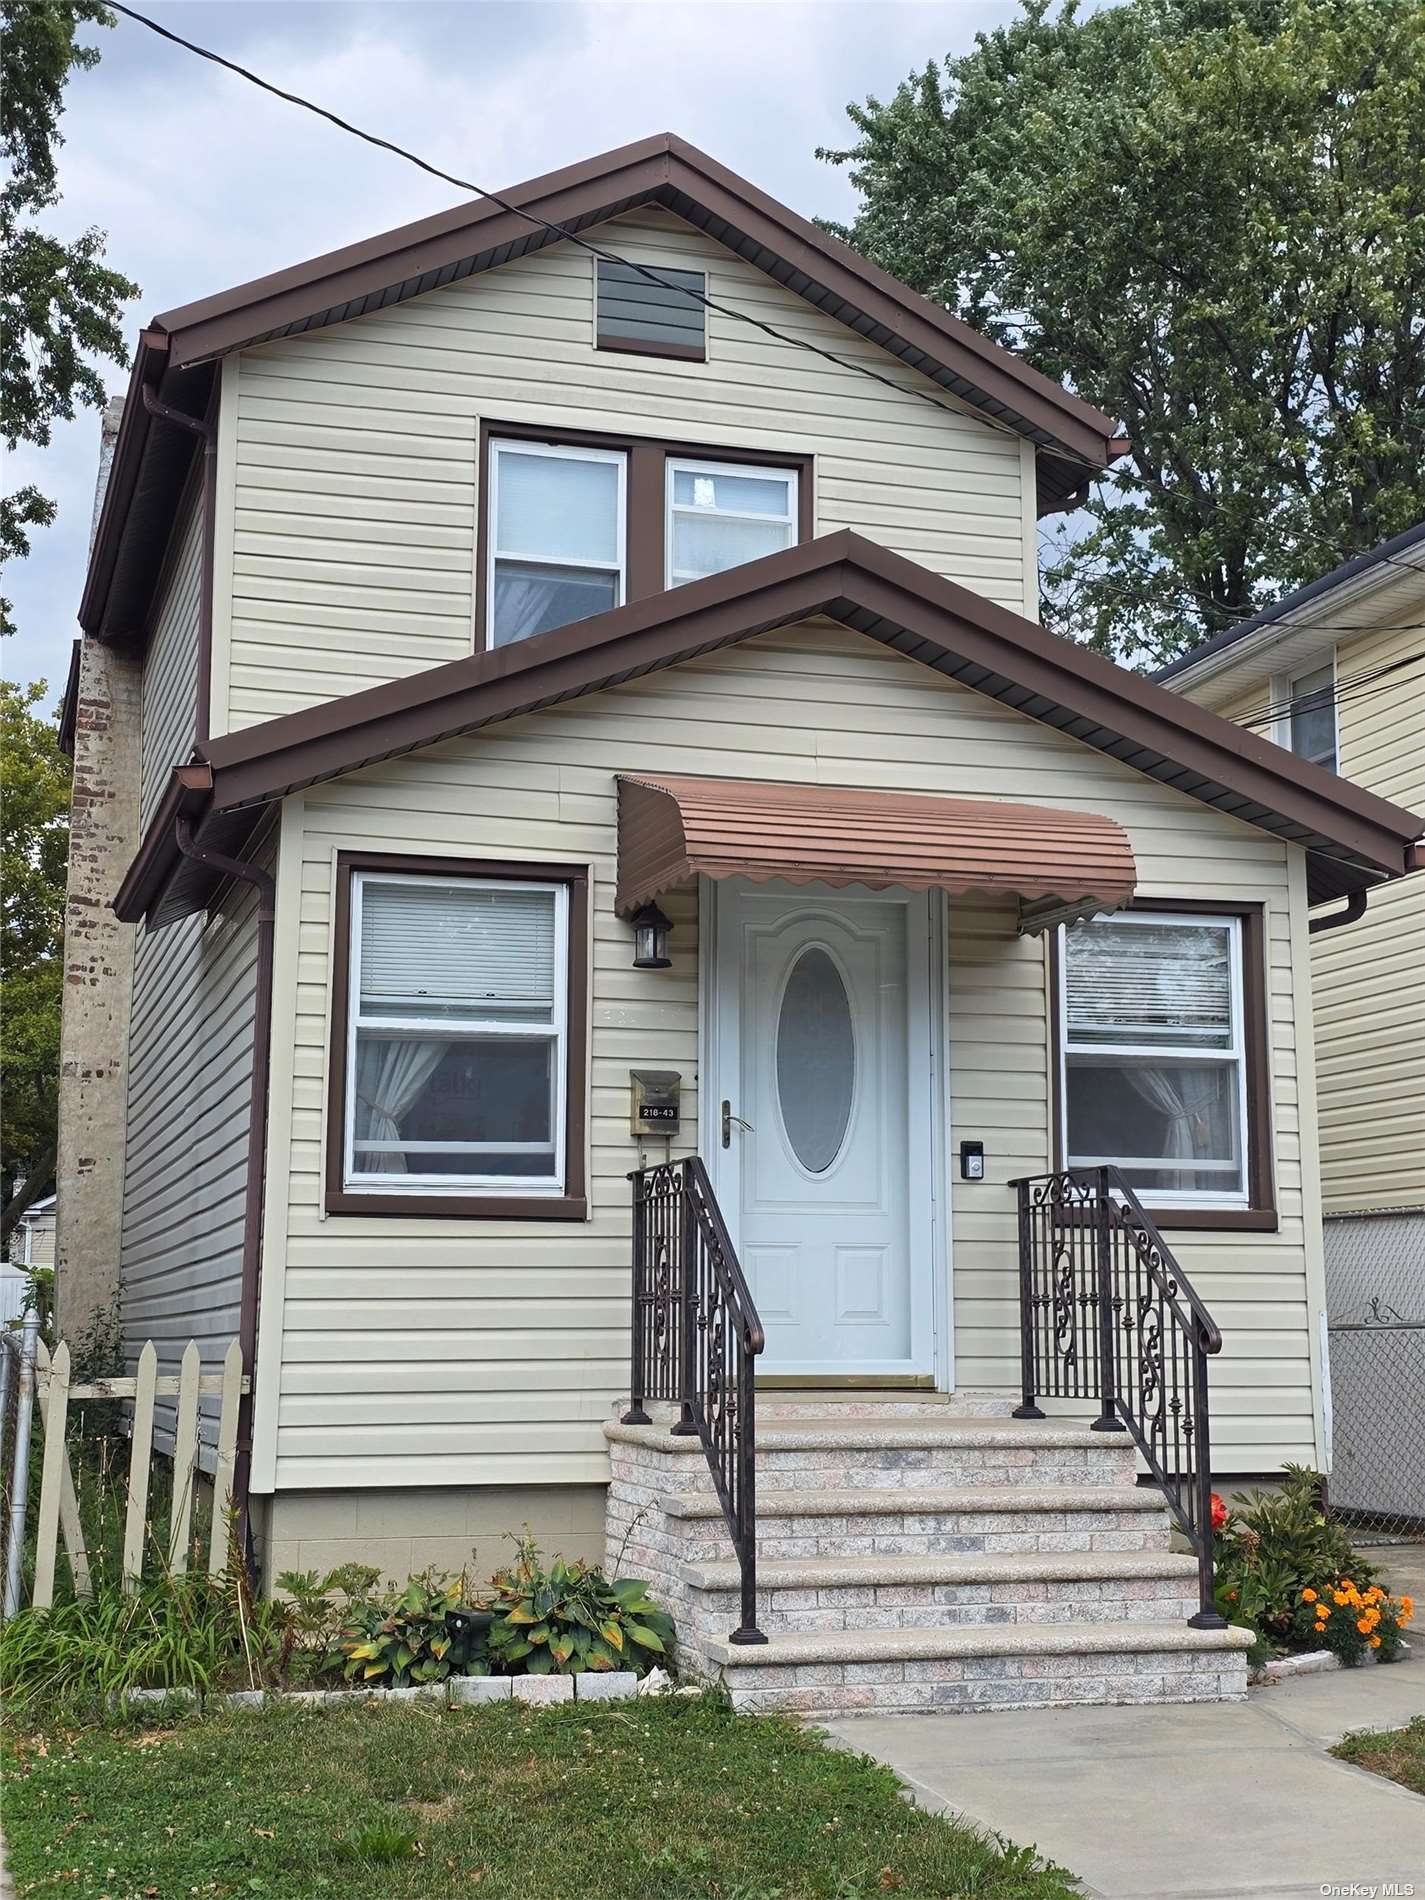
[402,1640]
[563,1618]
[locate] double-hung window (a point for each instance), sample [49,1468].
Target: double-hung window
[721,514]
[457,1020]
[1311,717]
[556,536]
[1154,1064]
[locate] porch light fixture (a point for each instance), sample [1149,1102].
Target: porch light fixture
[650,939]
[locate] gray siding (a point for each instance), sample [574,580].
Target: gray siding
[190,1072]
[170,675]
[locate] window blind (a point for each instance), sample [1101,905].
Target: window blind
[452,945]
[1147,983]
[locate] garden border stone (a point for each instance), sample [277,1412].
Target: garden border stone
[614,1685]
[1313,1662]
[541,1690]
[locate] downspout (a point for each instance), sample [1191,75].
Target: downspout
[206,428]
[266,888]
[1355,908]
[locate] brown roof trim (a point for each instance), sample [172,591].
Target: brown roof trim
[1356,838]
[673,829]
[663,170]
[69,704]
[188,795]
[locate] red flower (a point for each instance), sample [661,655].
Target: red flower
[1219,1512]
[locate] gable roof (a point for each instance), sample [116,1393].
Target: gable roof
[1074,439]
[1353,839]
[1376,567]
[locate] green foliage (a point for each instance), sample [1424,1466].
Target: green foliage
[192,1631]
[505,1801]
[1204,215]
[380,1842]
[1398,1754]
[34,851]
[395,1641]
[563,1618]
[59,305]
[1278,1544]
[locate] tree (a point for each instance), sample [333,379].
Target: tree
[1207,217]
[34,849]
[59,306]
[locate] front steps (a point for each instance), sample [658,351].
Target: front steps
[912,1556]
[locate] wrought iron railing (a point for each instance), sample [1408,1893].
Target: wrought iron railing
[696,1337]
[1107,1314]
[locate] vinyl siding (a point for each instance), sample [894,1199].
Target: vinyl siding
[349,485]
[1369,978]
[189,1099]
[450,1351]
[170,675]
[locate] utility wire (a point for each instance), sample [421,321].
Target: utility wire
[1348,693]
[572,237]
[562,232]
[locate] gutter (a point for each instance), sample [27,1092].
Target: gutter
[150,363]
[265,886]
[1353,910]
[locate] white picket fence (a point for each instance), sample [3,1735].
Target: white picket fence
[58,1514]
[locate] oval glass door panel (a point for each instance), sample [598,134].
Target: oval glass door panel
[816,1060]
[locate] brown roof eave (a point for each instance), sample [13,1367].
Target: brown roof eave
[934,620]
[666,170]
[188,795]
[150,361]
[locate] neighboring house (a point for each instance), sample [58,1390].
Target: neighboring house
[31,1246]
[490,607]
[1336,673]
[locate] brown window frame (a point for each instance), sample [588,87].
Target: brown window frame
[645,499]
[1260,1216]
[572,1204]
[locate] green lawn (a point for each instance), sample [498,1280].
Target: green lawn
[667,1800]
[1398,1754]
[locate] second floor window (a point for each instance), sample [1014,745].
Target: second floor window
[556,531]
[721,514]
[1311,721]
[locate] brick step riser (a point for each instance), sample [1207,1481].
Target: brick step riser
[714,1612]
[892,1538]
[988,1683]
[946,1467]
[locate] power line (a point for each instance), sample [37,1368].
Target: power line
[572,237]
[1347,692]
[1098,470]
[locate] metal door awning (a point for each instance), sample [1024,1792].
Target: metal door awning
[1059,864]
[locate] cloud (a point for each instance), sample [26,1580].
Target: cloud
[202,182]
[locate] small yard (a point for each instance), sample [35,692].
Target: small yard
[672,1798]
[1398,1754]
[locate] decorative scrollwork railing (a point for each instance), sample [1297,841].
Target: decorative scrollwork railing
[1107,1314]
[696,1336]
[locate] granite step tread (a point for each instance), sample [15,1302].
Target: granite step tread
[973,1640]
[902,1501]
[889,1434]
[827,1573]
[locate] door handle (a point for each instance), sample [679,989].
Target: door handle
[728,1118]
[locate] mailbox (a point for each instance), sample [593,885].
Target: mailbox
[655,1101]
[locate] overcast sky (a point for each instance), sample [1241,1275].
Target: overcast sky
[201,181]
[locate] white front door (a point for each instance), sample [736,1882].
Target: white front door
[821,1125]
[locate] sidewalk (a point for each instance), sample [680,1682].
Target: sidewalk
[1205,1802]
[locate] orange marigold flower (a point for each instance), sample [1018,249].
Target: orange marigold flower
[1308,1596]
[1375,1642]
[1323,1609]
[1341,1599]
[1346,1584]
[1363,1624]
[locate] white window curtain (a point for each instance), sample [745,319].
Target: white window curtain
[390,1075]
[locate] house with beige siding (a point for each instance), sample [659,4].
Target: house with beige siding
[666,1007]
[1336,674]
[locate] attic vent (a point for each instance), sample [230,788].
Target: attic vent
[658,319]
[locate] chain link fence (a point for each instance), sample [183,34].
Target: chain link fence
[1375,1293]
